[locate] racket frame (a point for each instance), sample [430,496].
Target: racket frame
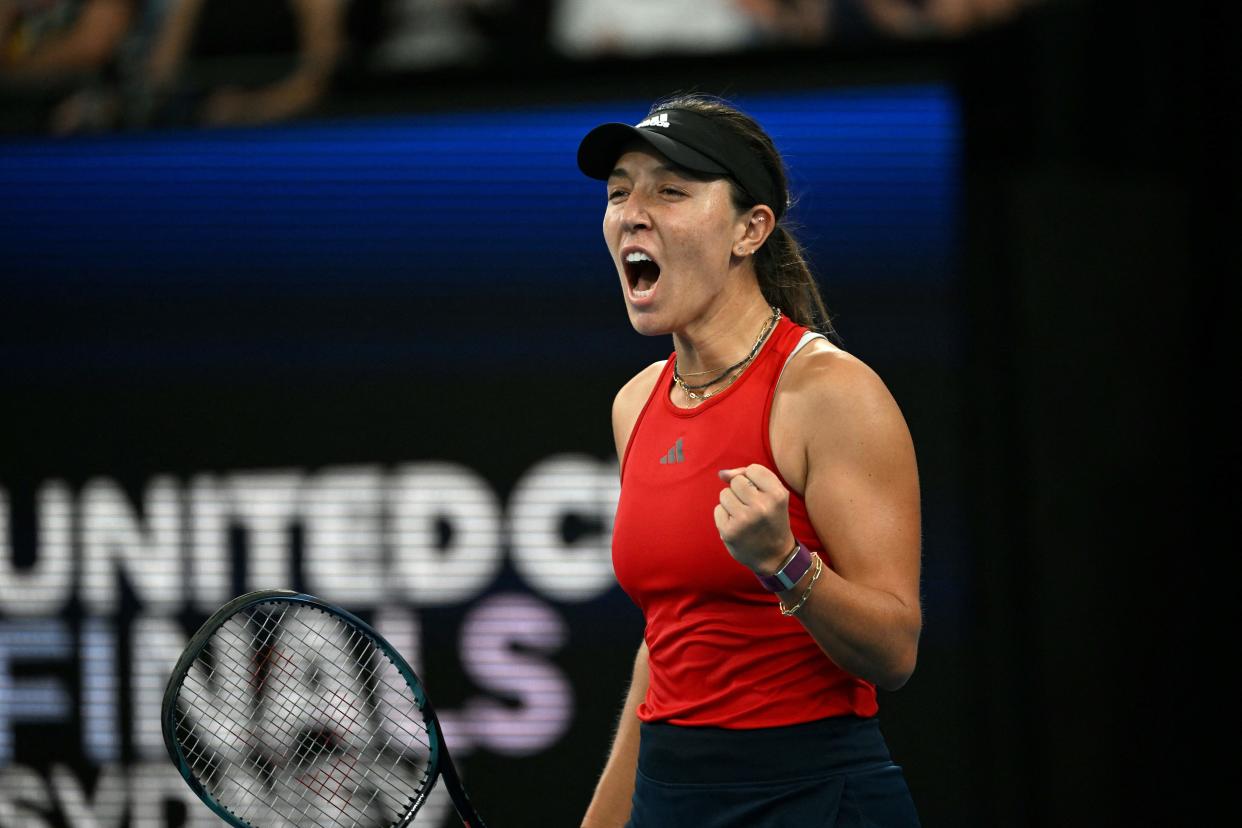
[439,765]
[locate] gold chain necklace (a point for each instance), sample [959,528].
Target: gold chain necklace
[732,372]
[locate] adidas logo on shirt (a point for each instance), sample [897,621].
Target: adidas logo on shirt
[675,454]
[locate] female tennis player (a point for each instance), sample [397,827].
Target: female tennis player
[768,525]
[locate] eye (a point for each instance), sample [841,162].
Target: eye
[615,194]
[673,191]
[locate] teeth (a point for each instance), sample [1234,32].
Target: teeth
[637,256]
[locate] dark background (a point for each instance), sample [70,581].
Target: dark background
[1090,450]
[1102,173]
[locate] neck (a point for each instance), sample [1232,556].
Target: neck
[722,336]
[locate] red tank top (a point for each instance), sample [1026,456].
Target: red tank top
[721,654]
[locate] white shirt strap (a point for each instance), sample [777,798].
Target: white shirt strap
[807,338]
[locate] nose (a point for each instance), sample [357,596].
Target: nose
[634,214]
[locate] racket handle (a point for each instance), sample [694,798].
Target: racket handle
[457,792]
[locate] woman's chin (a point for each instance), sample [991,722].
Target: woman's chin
[647,323]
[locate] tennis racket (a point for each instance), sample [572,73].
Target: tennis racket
[287,711]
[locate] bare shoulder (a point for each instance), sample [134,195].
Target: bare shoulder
[630,401]
[638,388]
[828,394]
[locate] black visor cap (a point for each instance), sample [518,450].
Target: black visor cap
[691,141]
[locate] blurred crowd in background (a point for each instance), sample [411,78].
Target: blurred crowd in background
[92,65]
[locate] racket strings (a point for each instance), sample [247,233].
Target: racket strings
[358,647]
[297,711]
[321,781]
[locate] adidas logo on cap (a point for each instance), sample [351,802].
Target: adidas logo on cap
[660,120]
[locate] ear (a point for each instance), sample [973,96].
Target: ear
[754,226]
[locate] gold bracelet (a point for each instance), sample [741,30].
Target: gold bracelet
[819,567]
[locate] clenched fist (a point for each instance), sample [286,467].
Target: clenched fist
[753,518]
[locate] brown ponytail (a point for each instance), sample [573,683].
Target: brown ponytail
[787,282]
[785,278]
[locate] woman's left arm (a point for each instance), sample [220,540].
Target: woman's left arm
[855,461]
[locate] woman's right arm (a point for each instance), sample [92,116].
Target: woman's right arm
[610,807]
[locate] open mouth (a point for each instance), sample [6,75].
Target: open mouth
[642,272]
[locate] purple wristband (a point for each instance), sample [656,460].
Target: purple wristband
[795,567]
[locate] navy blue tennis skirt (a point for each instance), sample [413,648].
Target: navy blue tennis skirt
[834,773]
